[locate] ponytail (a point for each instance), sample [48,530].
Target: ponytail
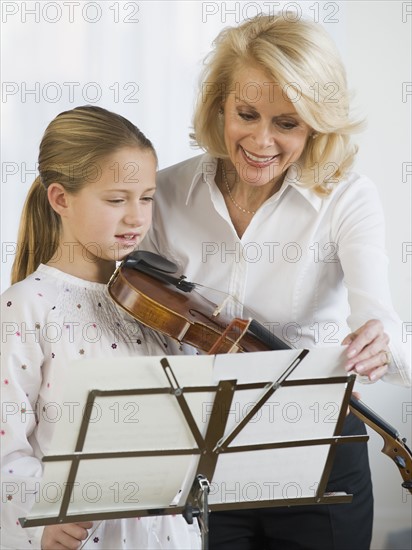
[39,233]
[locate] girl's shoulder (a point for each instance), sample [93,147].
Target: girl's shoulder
[33,294]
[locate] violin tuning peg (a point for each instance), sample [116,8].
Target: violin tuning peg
[399,461]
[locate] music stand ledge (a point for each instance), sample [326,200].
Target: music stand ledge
[185,458]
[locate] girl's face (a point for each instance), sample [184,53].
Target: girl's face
[112,213]
[263,133]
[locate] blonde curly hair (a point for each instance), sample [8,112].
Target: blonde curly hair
[301,57]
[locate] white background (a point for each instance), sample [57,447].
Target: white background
[142,59]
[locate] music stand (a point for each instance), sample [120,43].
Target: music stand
[187,441]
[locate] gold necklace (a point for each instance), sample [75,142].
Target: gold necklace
[230,193]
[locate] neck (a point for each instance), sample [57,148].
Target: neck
[245,197]
[77,261]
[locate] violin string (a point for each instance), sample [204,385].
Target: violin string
[247,312]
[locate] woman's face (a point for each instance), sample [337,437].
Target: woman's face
[263,133]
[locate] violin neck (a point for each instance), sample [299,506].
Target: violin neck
[371,418]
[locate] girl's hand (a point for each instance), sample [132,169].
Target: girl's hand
[368,353]
[67,536]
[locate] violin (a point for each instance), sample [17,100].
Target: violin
[146,286]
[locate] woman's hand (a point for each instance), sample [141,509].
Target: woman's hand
[67,536]
[368,353]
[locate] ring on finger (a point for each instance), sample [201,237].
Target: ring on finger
[387,357]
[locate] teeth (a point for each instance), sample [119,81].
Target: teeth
[258,159]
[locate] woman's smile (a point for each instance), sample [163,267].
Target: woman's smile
[258,160]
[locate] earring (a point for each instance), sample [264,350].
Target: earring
[314,135]
[220,112]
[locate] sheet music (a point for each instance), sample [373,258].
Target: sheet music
[292,413]
[155,423]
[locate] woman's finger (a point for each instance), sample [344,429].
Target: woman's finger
[376,373]
[377,350]
[366,334]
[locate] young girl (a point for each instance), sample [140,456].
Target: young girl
[90,206]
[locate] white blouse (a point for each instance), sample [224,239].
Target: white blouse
[48,320]
[311,269]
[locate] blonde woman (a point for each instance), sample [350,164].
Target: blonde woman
[86,210]
[272,215]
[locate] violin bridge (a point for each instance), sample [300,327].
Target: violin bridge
[243,325]
[235,324]
[219,308]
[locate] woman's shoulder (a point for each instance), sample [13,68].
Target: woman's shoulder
[353,191]
[356,205]
[186,169]
[359,189]
[353,182]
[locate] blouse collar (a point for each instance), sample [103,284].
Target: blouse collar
[206,171]
[69,279]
